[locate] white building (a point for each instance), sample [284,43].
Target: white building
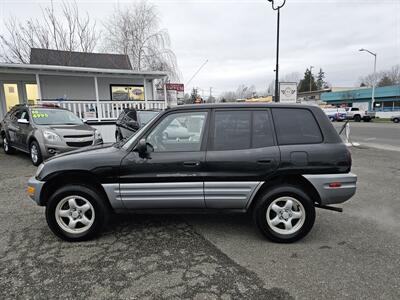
[92,85]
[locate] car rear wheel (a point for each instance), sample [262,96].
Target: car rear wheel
[284,214]
[396,120]
[76,213]
[6,146]
[36,154]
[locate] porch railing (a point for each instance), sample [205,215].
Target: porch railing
[106,110]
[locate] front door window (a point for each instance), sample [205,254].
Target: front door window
[179,132]
[11,95]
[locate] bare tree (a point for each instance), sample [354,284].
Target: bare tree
[67,30]
[134,30]
[383,78]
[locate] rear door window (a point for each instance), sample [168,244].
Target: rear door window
[296,126]
[238,130]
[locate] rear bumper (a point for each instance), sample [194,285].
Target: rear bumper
[344,187]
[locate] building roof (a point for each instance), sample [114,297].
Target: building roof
[364,93]
[77,71]
[79,59]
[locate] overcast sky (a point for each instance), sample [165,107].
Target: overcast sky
[239,37]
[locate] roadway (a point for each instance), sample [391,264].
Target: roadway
[377,135]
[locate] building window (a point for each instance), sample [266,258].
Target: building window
[127,92]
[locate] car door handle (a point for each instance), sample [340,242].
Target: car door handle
[264,161]
[191,163]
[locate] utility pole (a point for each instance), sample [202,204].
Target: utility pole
[210,93]
[311,67]
[277,48]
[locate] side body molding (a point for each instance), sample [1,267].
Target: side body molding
[230,194]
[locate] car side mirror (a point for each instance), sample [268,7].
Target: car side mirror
[144,148]
[23,121]
[133,124]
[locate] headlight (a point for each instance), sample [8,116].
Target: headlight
[97,135]
[51,136]
[39,169]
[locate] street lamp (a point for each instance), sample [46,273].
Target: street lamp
[277,8]
[374,80]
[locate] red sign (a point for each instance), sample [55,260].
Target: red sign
[179,87]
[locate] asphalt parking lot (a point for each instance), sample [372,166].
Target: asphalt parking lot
[354,255]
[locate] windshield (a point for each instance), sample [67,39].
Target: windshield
[145,117]
[54,117]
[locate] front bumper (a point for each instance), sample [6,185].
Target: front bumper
[34,189]
[49,150]
[333,188]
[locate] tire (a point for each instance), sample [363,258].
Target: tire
[35,153]
[396,120]
[357,118]
[88,213]
[270,216]
[6,145]
[331,119]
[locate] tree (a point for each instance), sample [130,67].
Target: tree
[304,85]
[383,78]
[193,96]
[385,81]
[134,30]
[321,83]
[68,31]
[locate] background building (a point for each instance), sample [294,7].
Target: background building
[92,85]
[387,99]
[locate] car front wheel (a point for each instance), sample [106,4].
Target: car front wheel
[284,214]
[36,154]
[76,213]
[396,120]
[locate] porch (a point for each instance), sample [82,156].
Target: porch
[91,93]
[93,110]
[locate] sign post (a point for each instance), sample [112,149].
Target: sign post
[288,92]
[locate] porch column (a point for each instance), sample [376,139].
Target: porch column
[154,90]
[165,93]
[144,93]
[96,89]
[39,89]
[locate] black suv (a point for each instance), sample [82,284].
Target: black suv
[131,120]
[276,161]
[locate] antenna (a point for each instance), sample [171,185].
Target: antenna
[194,75]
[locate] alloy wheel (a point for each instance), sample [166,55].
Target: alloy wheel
[74,214]
[34,153]
[5,144]
[286,215]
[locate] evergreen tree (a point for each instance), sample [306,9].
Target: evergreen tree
[321,80]
[304,85]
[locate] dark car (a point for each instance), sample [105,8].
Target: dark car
[275,161]
[131,120]
[44,131]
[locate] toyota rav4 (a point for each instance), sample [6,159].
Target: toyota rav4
[277,162]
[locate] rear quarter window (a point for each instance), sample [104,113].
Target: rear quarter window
[296,126]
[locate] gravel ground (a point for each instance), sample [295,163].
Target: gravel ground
[138,257]
[351,255]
